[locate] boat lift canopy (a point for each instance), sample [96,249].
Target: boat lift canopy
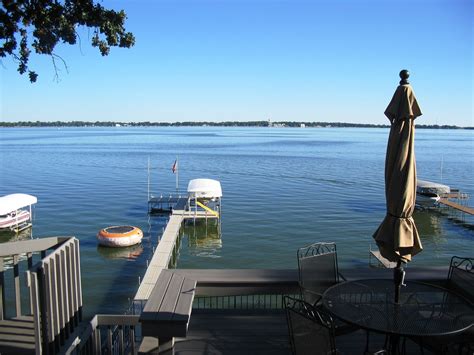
[13,202]
[423,186]
[204,188]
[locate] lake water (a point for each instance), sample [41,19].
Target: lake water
[283,188]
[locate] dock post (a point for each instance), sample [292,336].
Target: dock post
[2,291]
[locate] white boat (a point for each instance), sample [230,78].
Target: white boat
[15,211]
[428,192]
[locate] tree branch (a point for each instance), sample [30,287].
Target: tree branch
[54,56]
[49,22]
[80,42]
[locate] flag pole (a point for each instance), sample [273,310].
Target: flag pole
[177,174]
[148,173]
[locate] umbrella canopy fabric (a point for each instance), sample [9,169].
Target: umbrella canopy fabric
[397,236]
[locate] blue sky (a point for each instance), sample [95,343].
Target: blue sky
[332,61]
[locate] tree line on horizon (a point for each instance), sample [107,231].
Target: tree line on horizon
[209,123]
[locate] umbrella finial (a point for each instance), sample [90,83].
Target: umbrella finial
[404,74]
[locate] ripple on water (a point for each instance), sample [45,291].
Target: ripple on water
[283,189]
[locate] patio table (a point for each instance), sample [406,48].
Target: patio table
[423,310]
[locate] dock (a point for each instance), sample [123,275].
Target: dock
[165,204]
[456,206]
[161,257]
[180,209]
[381,260]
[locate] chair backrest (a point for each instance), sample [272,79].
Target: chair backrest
[461,277]
[317,270]
[311,330]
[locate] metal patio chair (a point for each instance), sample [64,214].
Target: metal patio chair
[310,329]
[461,281]
[317,270]
[461,277]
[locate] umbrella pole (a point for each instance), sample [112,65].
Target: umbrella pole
[398,279]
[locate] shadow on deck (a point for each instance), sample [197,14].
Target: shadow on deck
[229,332]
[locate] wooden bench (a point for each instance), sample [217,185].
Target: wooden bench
[168,310]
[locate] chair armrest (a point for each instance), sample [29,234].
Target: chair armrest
[341,276]
[309,296]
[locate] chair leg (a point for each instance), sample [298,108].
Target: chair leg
[366,342]
[383,351]
[422,350]
[404,345]
[385,344]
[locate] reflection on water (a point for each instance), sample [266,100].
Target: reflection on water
[204,239]
[429,223]
[11,236]
[128,253]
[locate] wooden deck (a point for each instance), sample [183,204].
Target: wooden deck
[228,332]
[235,333]
[223,329]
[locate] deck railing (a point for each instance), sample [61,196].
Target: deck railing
[56,296]
[242,302]
[107,334]
[52,292]
[16,257]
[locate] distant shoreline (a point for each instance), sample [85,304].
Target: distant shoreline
[281,124]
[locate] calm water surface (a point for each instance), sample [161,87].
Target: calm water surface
[283,188]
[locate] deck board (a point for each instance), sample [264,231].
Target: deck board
[17,336]
[232,333]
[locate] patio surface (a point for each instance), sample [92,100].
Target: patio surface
[232,332]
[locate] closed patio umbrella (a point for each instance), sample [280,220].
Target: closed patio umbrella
[397,237]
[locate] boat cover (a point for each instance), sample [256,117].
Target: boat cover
[13,202]
[204,188]
[423,186]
